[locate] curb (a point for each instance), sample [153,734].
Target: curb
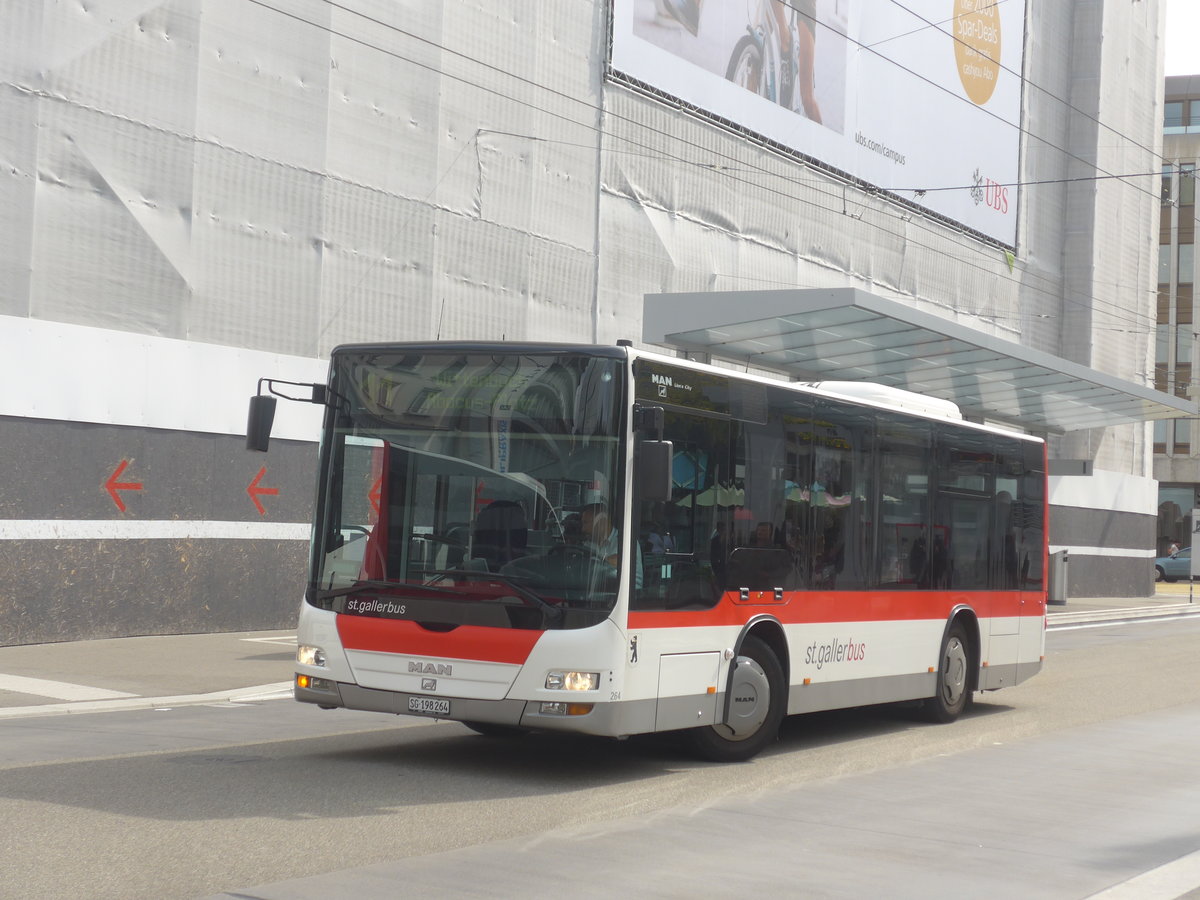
[1126,614]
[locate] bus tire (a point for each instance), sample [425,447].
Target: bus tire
[719,743]
[490,729]
[953,693]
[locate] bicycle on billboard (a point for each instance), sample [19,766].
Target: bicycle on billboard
[774,59]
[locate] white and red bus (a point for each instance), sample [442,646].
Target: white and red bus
[608,541]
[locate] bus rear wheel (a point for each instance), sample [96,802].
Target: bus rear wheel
[953,677]
[757,706]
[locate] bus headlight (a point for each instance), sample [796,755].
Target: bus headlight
[573,681]
[310,656]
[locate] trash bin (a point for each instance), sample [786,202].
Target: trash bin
[1057,587]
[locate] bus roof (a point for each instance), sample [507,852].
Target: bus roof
[880,396]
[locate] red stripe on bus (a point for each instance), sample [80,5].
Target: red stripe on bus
[502,645]
[847,606]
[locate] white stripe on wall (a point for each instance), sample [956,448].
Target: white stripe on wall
[1106,491]
[132,529]
[193,386]
[1125,552]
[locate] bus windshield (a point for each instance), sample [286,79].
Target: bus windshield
[456,486]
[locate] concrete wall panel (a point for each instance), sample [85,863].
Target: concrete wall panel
[60,499]
[81,589]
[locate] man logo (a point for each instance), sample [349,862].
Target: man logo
[428,668]
[429,684]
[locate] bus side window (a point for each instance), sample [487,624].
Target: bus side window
[842,497]
[1017,537]
[676,539]
[904,464]
[963,509]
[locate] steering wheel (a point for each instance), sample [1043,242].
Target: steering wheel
[576,551]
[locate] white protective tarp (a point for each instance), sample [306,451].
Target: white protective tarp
[286,175]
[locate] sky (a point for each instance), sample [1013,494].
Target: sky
[1183,26]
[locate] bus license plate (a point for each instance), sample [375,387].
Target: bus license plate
[429,706]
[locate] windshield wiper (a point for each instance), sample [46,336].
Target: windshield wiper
[375,585]
[506,580]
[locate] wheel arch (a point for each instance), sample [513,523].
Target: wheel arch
[966,616]
[735,737]
[769,630]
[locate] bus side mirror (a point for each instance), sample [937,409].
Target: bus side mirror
[655,459]
[262,408]
[259,421]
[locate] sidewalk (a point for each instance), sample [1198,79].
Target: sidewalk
[177,670]
[144,672]
[1170,599]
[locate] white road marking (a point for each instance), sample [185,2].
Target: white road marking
[285,639]
[1167,882]
[276,691]
[59,690]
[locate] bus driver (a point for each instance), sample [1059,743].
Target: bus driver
[602,538]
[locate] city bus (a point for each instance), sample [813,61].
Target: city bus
[614,542]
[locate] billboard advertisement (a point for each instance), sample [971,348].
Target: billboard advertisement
[921,98]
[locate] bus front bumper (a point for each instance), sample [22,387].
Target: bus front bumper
[609,719]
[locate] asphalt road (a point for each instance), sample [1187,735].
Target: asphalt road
[1068,785]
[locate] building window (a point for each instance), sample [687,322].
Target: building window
[1167,173]
[1187,184]
[1175,503]
[1164,263]
[1160,436]
[1183,430]
[1173,114]
[1187,259]
[1183,345]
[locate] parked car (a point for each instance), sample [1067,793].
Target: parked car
[1169,568]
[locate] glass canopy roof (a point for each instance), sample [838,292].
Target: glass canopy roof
[850,335]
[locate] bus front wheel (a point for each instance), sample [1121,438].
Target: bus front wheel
[757,705]
[953,677]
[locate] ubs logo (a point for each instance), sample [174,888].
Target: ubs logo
[992,193]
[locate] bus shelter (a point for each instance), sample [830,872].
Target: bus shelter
[845,334]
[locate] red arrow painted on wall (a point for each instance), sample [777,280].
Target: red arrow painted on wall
[113,486]
[255,491]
